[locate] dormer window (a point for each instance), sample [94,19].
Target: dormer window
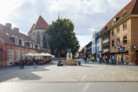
[37,46]
[12,39]
[28,43]
[125,12]
[116,19]
[20,42]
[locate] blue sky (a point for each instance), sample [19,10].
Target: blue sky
[87,15]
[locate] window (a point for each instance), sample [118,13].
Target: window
[106,45]
[23,55]
[37,27]
[97,40]
[93,49]
[98,48]
[118,29]
[44,41]
[118,42]
[125,39]
[10,55]
[113,43]
[20,42]
[125,25]
[17,55]
[38,37]
[113,33]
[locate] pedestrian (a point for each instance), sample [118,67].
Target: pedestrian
[21,63]
[34,63]
[93,58]
[100,60]
[136,61]
[122,60]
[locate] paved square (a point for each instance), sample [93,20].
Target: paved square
[84,73]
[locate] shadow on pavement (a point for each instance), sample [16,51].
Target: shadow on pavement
[28,73]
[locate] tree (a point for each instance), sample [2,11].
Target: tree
[61,37]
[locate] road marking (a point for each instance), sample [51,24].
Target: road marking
[85,88]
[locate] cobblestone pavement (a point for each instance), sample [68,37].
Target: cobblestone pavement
[85,73]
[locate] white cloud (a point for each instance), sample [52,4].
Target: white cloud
[87,15]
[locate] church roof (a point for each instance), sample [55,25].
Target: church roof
[40,24]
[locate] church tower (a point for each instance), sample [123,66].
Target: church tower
[37,33]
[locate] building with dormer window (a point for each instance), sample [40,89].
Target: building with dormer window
[14,45]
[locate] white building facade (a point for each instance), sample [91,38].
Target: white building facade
[96,44]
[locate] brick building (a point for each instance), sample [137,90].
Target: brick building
[14,45]
[37,33]
[119,35]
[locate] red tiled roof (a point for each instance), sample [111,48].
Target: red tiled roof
[5,38]
[130,8]
[6,33]
[135,8]
[40,24]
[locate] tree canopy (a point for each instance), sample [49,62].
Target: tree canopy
[61,37]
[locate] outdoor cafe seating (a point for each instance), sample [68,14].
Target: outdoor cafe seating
[41,58]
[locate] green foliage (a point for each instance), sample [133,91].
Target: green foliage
[61,37]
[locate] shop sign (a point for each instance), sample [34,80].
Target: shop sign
[121,49]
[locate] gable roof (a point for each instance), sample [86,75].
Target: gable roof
[130,8]
[40,24]
[6,33]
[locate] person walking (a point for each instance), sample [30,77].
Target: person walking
[93,58]
[21,64]
[136,62]
[122,60]
[34,63]
[100,60]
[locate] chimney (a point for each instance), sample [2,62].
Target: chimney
[8,25]
[16,29]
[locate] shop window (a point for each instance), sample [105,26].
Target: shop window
[93,49]
[17,55]
[125,39]
[113,43]
[10,55]
[118,42]
[125,25]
